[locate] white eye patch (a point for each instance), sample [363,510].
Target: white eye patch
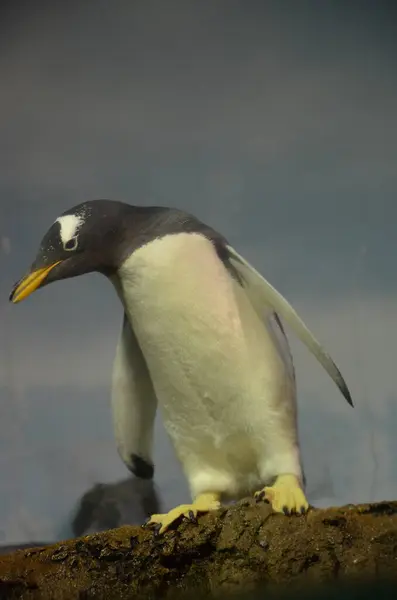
[69,226]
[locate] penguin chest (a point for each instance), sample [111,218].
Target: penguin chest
[208,354]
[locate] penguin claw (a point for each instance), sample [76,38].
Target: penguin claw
[156,529]
[259,496]
[285,495]
[192,517]
[202,504]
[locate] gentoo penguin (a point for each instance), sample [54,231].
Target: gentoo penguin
[201,337]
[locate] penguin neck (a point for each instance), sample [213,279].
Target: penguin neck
[125,281]
[144,276]
[117,283]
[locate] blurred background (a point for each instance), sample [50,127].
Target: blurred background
[273,121]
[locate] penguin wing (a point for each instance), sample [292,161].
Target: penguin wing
[262,293]
[134,404]
[275,326]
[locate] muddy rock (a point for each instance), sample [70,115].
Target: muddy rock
[242,549]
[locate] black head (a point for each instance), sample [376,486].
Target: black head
[88,237]
[98,235]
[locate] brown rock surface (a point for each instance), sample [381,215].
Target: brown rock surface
[233,549]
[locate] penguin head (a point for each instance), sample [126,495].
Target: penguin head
[85,238]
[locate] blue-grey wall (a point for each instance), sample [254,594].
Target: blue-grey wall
[276,123]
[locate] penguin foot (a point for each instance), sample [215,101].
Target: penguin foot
[285,495]
[202,504]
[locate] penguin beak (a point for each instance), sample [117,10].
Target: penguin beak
[29,283]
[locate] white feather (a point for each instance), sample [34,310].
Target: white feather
[223,386]
[134,402]
[69,226]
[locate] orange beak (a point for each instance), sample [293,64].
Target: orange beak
[30,283]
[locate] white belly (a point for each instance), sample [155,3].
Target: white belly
[227,398]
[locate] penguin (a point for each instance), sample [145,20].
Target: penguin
[202,339]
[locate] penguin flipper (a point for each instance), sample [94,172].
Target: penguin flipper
[134,404]
[262,292]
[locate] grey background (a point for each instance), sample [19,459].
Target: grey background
[274,122]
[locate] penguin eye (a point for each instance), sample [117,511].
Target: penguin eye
[71,244]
